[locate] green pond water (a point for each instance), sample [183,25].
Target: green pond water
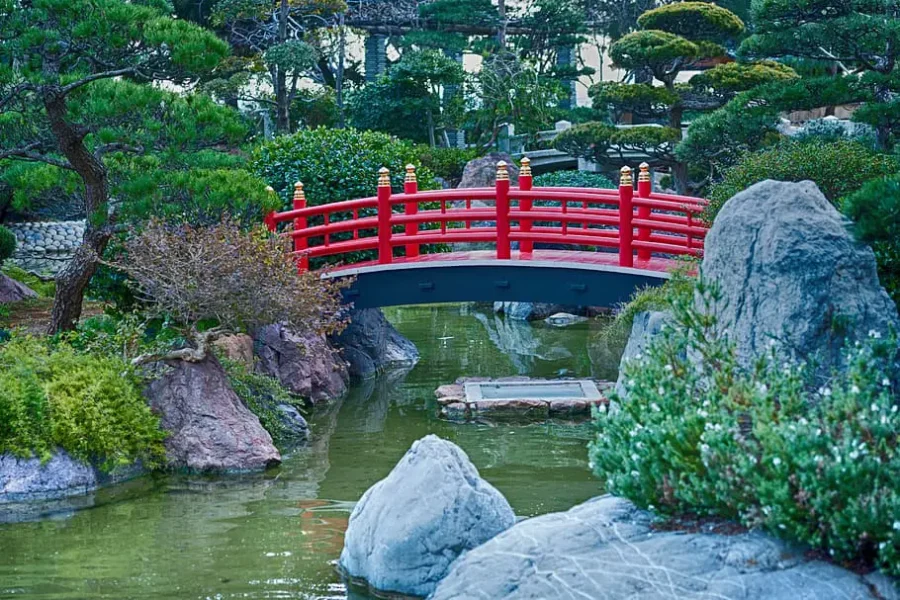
[278,534]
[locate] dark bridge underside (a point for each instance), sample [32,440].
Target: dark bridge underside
[575,278]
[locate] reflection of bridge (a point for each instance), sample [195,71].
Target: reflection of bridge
[579,246]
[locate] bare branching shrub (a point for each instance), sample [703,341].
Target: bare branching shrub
[227,277]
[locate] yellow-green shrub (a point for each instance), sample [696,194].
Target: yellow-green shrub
[89,405]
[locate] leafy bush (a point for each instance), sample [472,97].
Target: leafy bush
[703,435]
[875,211]
[447,163]
[832,130]
[7,244]
[335,164]
[583,179]
[90,406]
[694,20]
[838,168]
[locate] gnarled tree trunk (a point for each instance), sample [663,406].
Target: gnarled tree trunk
[73,280]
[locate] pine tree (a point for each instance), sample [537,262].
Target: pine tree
[77,98]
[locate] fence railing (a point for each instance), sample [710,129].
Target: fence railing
[638,223]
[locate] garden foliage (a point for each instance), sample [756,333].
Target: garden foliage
[7,244]
[699,434]
[838,168]
[89,405]
[577,179]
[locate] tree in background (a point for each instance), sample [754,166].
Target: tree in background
[411,88]
[675,38]
[860,37]
[271,39]
[78,107]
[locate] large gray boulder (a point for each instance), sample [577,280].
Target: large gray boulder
[26,479]
[645,327]
[408,528]
[307,365]
[790,270]
[605,548]
[482,172]
[13,291]
[370,344]
[209,427]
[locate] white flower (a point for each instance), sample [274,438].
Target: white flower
[776,461]
[824,391]
[763,388]
[874,334]
[854,389]
[874,407]
[631,383]
[668,367]
[886,382]
[854,455]
[635,457]
[655,407]
[896,525]
[661,391]
[704,447]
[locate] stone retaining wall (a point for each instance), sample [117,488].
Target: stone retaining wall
[46,247]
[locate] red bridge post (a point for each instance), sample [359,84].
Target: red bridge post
[626,216]
[411,187]
[269,219]
[645,188]
[300,243]
[503,249]
[385,253]
[525,183]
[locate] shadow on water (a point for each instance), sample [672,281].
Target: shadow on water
[277,534]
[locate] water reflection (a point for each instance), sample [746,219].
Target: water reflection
[275,535]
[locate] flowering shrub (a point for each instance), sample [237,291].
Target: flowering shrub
[700,434]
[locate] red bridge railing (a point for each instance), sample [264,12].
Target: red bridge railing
[643,224]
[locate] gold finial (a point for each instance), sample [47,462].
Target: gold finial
[626,177]
[502,171]
[384,177]
[270,189]
[644,175]
[411,174]
[298,191]
[525,171]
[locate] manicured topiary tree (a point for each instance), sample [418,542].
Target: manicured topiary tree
[853,37]
[674,38]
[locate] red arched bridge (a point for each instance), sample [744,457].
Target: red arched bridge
[577,246]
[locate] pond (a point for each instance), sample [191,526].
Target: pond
[277,535]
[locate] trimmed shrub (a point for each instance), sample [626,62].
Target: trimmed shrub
[578,179]
[838,168]
[700,434]
[89,405]
[335,164]
[7,244]
[875,211]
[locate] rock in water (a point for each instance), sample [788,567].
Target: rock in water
[306,365]
[370,344]
[407,528]
[13,291]
[790,270]
[209,427]
[605,548]
[26,479]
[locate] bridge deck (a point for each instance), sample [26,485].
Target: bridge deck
[553,276]
[575,259]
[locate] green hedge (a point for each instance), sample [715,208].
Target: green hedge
[89,405]
[838,168]
[700,434]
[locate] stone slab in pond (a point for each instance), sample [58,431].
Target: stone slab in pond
[521,398]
